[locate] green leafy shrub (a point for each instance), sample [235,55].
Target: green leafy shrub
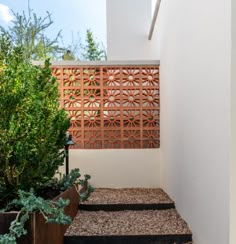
[53,212]
[32,135]
[85,189]
[69,180]
[32,127]
[55,186]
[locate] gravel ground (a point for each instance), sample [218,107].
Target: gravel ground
[147,222]
[128,196]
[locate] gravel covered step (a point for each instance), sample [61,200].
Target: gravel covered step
[138,227]
[127,199]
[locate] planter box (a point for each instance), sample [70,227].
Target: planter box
[39,232]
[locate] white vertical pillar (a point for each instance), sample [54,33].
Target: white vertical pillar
[233,129]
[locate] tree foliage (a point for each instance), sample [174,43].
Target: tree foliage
[32,127]
[92,49]
[28,31]
[89,49]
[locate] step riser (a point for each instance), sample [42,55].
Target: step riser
[122,207]
[128,216]
[165,239]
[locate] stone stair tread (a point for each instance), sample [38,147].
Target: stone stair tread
[128,223]
[111,196]
[130,216]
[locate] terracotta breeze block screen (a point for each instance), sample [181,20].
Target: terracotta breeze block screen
[111,106]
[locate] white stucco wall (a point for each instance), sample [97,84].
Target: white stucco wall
[128,24]
[195,114]
[233,131]
[118,167]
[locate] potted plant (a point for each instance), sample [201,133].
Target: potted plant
[32,136]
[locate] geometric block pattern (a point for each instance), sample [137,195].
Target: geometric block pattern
[111,106]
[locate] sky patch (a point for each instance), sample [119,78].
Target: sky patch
[5,14]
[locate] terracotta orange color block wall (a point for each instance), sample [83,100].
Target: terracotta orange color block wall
[111,106]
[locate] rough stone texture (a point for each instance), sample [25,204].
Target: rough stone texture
[128,196]
[128,223]
[147,222]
